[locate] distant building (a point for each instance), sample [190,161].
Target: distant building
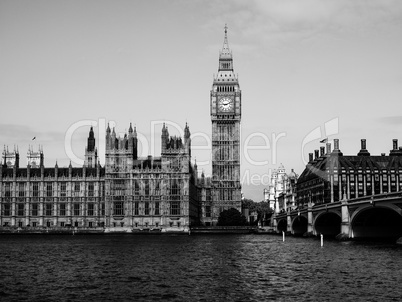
[281,193]
[330,175]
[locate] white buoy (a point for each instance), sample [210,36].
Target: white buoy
[283,236]
[322,240]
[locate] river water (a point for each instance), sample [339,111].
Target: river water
[196,268]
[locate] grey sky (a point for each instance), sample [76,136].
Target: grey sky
[300,65]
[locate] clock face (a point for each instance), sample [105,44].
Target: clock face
[225,104]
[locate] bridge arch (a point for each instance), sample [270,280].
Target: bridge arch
[328,223]
[282,225]
[379,222]
[299,225]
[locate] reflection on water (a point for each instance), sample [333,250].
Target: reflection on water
[197,268]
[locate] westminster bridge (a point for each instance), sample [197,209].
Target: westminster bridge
[377,216]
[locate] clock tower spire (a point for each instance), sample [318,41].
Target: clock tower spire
[225,104]
[225,53]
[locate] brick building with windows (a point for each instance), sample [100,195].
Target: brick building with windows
[329,174]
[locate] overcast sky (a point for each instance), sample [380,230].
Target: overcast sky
[307,70]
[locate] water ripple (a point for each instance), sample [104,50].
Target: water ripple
[196,268]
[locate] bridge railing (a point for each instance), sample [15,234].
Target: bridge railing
[376,197]
[357,199]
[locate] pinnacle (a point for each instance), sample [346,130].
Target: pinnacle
[225,53]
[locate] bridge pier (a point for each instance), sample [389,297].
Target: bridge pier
[289,222]
[310,224]
[345,224]
[274,222]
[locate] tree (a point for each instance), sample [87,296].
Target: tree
[231,217]
[248,204]
[264,212]
[262,208]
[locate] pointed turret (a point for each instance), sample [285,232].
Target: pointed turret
[124,142]
[186,132]
[17,159]
[225,80]
[226,60]
[108,146]
[135,143]
[11,159]
[4,157]
[42,166]
[225,53]
[113,144]
[56,170]
[91,153]
[187,139]
[130,139]
[33,158]
[42,159]
[91,140]
[164,138]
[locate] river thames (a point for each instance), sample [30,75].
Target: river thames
[196,268]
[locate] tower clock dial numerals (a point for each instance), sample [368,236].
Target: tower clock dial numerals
[225,104]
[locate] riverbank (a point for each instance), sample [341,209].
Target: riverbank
[134,231]
[224,230]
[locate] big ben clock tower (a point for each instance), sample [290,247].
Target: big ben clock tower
[225,117]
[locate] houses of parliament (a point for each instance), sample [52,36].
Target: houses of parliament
[131,193]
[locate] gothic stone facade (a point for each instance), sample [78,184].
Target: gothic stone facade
[153,192]
[129,193]
[37,197]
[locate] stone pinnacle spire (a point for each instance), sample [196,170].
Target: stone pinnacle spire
[225,53]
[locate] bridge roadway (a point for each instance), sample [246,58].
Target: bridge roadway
[377,216]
